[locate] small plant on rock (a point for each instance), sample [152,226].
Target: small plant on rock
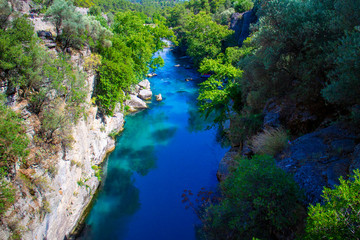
[270,141]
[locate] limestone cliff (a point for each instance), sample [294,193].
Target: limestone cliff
[53,191]
[51,200]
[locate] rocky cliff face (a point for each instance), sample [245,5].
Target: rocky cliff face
[51,200]
[240,23]
[316,160]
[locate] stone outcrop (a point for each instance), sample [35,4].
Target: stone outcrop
[145,94]
[144,84]
[319,158]
[135,103]
[142,90]
[52,196]
[62,190]
[316,160]
[240,23]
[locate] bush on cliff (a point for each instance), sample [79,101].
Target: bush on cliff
[13,148]
[13,139]
[260,200]
[243,5]
[338,217]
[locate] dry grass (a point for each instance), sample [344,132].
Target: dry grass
[270,141]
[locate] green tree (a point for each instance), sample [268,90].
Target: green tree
[73,29]
[95,11]
[243,5]
[203,37]
[344,85]
[129,58]
[217,91]
[338,217]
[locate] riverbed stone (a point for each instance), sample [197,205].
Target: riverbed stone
[144,84]
[158,97]
[135,103]
[145,94]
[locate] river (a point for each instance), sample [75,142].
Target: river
[163,151]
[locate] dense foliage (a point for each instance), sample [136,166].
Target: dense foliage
[74,29]
[338,217]
[129,58]
[260,200]
[148,7]
[302,53]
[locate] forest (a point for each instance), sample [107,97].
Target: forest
[300,54]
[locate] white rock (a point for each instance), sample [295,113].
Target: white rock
[145,94]
[144,84]
[135,103]
[158,97]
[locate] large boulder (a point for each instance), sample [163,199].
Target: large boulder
[135,103]
[145,94]
[144,84]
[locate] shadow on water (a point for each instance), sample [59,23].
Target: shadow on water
[140,164]
[119,200]
[163,135]
[197,121]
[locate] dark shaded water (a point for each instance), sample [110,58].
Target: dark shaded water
[162,151]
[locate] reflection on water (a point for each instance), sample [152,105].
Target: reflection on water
[162,151]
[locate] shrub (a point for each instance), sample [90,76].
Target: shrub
[270,141]
[260,200]
[7,194]
[92,62]
[243,5]
[338,217]
[13,138]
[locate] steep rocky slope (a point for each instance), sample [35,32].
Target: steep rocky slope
[50,201]
[53,190]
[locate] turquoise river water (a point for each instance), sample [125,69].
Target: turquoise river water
[163,151]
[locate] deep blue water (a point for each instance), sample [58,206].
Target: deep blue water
[163,151]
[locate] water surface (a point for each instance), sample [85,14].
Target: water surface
[163,151]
